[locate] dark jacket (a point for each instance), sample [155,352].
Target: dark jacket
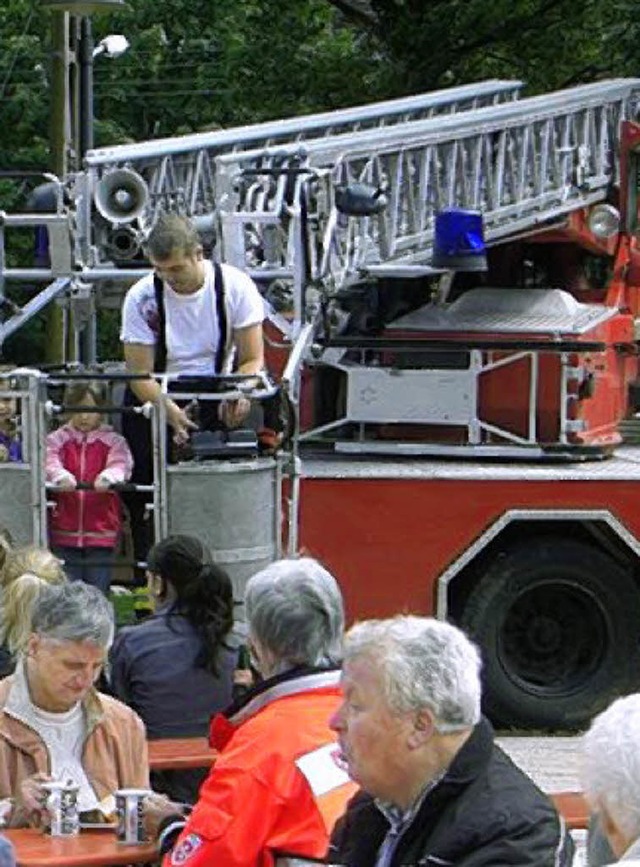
[155,669]
[485,811]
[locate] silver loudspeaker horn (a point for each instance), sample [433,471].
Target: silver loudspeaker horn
[121,196]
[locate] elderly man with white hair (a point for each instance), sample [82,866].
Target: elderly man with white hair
[610,771]
[435,788]
[275,787]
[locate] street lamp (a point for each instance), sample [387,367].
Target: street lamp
[62,103]
[112,45]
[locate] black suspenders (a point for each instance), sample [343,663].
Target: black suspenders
[160,364]
[223,323]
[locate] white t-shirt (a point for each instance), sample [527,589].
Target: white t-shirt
[192,331]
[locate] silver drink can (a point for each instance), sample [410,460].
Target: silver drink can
[62,807]
[129,804]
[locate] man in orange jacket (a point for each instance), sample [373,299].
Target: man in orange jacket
[275,787]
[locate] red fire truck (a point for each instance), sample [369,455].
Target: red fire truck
[454,440]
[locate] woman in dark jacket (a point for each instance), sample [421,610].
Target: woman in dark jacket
[176,668]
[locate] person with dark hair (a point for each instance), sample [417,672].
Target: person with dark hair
[85,523]
[176,668]
[189,316]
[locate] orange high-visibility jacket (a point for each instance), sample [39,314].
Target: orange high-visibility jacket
[275,786]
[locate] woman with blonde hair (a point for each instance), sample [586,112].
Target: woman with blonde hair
[26,571]
[31,558]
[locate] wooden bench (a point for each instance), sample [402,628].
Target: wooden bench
[573,807]
[180,753]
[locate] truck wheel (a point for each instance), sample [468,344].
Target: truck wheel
[558,622]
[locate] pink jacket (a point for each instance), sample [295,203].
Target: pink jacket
[86,518]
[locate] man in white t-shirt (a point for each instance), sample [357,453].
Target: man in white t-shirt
[193,327]
[187,316]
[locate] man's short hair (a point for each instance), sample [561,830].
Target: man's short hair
[74,611]
[294,609]
[610,767]
[424,663]
[172,233]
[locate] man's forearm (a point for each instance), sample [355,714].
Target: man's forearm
[149,391]
[146,390]
[251,365]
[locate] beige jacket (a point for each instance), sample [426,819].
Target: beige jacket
[115,751]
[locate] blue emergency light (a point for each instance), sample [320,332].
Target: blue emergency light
[459,241]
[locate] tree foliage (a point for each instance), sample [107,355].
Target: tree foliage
[201,64]
[548,44]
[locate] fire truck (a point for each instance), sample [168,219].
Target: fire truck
[459,417]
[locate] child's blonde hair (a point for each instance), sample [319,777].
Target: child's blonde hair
[75,391]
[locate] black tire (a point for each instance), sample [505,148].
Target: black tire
[558,622]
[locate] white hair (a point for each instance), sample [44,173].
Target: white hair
[73,611]
[425,663]
[610,763]
[294,608]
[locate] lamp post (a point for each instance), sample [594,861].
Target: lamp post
[69,102]
[111,46]
[63,108]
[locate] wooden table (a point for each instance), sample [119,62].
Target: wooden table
[88,849]
[180,753]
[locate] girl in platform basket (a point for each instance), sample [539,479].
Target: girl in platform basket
[84,458]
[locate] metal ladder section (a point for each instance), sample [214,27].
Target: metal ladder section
[522,164]
[179,172]
[361,117]
[179,169]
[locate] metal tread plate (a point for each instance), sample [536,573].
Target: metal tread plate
[624,465]
[530,311]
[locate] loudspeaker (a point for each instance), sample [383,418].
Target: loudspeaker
[121,196]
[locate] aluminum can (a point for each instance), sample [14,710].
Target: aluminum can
[62,807]
[129,804]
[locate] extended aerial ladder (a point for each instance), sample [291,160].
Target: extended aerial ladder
[94,226]
[522,164]
[527,166]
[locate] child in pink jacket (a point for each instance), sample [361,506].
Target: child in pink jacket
[85,524]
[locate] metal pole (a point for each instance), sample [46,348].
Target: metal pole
[86,88]
[59,150]
[87,335]
[59,93]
